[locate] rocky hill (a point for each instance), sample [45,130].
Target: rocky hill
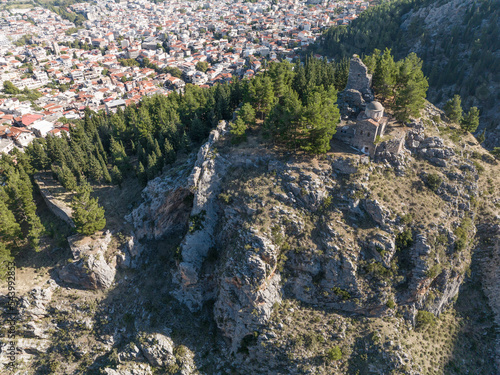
[249,259]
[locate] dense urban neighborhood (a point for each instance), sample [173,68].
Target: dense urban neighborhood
[52,69]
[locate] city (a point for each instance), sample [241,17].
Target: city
[126,50]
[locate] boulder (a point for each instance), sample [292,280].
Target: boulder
[158,349]
[89,269]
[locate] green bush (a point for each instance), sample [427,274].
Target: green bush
[425,319]
[434,271]
[462,234]
[404,240]
[433,181]
[341,293]
[334,354]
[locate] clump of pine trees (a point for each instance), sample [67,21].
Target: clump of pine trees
[400,84]
[297,104]
[468,121]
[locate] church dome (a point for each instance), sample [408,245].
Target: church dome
[374,106]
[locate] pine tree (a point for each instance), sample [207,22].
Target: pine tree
[88,216]
[65,177]
[453,109]
[238,129]
[118,154]
[481,137]
[470,121]
[247,114]
[319,121]
[95,169]
[38,155]
[116,176]
[411,88]
[105,172]
[151,166]
[284,122]
[141,174]
[20,191]
[9,228]
[169,152]
[385,74]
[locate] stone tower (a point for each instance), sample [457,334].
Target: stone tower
[359,79]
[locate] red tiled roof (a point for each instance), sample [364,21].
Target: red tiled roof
[30,119]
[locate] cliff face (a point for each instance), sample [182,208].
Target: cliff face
[335,233]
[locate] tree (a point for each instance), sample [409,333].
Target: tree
[141,174]
[9,88]
[385,74]
[425,319]
[88,216]
[247,114]
[453,109]
[20,191]
[334,354]
[238,129]
[283,123]
[411,88]
[65,176]
[481,137]
[168,152]
[319,121]
[9,228]
[95,169]
[116,176]
[202,66]
[470,121]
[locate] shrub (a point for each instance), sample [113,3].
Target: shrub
[462,234]
[404,240]
[425,319]
[433,181]
[341,293]
[196,221]
[391,304]
[334,354]
[434,271]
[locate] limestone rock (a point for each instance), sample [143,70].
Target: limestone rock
[89,268]
[130,369]
[248,289]
[376,211]
[158,349]
[345,165]
[210,167]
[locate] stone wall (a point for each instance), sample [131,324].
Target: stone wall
[359,79]
[54,196]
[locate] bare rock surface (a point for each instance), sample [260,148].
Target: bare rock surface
[89,268]
[158,349]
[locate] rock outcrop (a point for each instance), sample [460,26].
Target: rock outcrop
[89,268]
[249,285]
[205,183]
[158,349]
